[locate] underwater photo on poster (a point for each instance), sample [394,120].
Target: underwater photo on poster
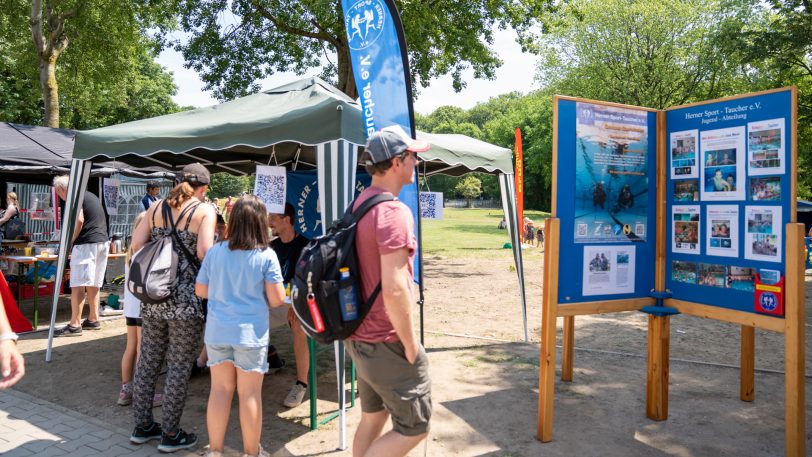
[611,184]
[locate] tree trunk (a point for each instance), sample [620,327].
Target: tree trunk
[49,45]
[346,79]
[50,89]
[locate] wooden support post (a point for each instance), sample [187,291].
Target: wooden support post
[548,321]
[747,372]
[794,345]
[659,327]
[567,352]
[659,330]
[662,169]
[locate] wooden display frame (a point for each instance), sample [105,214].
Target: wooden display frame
[791,326]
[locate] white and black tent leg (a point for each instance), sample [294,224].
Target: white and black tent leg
[508,190]
[79,176]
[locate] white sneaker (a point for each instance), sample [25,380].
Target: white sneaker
[110,311]
[295,396]
[261,453]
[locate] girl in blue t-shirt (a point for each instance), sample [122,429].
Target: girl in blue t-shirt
[240,277]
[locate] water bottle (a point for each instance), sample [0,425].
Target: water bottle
[347,297]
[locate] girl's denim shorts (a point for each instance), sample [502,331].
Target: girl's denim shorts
[243,357]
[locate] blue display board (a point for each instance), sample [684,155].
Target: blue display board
[728,197]
[605,199]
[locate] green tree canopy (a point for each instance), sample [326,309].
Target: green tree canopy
[235,44]
[84,58]
[226,185]
[643,53]
[469,188]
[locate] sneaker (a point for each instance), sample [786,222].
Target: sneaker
[213,454]
[68,330]
[157,400]
[125,395]
[143,434]
[261,453]
[108,310]
[295,396]
[88,325]
[178,441]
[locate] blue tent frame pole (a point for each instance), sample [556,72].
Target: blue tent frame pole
[77,186]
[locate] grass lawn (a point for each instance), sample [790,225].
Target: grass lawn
[465,232]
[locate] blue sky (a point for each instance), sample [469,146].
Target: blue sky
[516,73]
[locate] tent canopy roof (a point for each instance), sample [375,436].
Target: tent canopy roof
[455,155]
[41,152]
[280,126]
[33,145]
[233,136]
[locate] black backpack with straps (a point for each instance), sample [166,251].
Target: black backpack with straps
[315,287]
[154,268]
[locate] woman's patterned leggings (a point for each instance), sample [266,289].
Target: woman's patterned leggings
[179,342]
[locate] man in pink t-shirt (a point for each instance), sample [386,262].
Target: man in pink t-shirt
[392,366]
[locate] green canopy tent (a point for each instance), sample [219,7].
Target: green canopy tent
[456,155]
[307,124]
[303,125]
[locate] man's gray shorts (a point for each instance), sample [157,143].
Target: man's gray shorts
[387,380]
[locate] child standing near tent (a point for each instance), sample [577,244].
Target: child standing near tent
[240,278]
[132,315]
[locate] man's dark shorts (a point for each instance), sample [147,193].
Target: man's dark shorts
[387,380]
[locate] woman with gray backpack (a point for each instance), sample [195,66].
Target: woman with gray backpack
[176,232]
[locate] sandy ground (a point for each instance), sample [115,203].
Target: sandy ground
[485,380]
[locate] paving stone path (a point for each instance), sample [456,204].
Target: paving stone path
[30,426]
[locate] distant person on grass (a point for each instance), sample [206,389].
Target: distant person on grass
[241,278]
[540,237]
[392,366]
[88,261]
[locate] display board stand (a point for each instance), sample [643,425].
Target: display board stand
[662,303]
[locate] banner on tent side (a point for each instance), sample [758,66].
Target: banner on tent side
[302,191]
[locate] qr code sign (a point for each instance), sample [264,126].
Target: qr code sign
[431,205]
[270,187]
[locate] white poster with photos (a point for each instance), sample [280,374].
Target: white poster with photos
[270,187]
[608,270]
[110,188]
[685,229]
[431,205]
[723,230]
[722,172]
[766,146]
[684,161]
[763,233]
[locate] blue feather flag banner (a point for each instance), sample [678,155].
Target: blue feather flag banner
[381,69]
